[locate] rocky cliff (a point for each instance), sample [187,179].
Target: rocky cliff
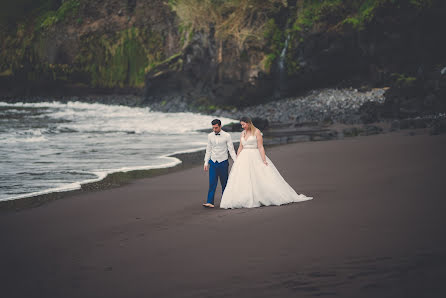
[215,54]
[93,45]
[313,44]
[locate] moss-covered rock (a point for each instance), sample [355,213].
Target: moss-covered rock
[109,44]
[121,59]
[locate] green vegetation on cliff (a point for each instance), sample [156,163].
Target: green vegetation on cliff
[312,16]
[119,60]
[68,8]
[274,43]
[47,40]
[65,41]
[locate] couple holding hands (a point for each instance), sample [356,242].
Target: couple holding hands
[254,180]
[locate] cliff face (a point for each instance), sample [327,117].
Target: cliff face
[95,44]
[386,43]
[312,44]
[230,53]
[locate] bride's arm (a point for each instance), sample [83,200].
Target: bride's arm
[260,146]
[240,146]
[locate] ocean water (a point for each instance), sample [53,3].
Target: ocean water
[52,146]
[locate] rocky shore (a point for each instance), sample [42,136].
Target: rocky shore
[317,106]
[318,115]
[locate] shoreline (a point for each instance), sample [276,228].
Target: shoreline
[117,179]
[112,180]
[279,133]
[189,159]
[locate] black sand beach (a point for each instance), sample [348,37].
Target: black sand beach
[374,229]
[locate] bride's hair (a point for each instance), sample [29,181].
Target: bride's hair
[251,126]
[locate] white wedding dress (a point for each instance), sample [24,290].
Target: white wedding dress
[251,183]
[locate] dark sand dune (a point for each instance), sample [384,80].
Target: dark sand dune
[374,229]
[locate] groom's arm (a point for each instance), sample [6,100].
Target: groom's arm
[207,156]
[231,148]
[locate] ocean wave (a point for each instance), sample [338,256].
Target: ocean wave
[68,187]
[100,176]
[91,137]
[24,136]
[14,111]
[95,117]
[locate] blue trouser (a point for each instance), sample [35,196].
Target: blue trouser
[216,170]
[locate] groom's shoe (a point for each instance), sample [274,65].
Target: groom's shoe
[208,205]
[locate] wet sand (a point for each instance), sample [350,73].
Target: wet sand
[374,229]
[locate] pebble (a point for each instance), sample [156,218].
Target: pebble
[334,105]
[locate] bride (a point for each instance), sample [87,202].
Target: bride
[254,180]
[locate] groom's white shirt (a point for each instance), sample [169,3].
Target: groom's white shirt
[218,147]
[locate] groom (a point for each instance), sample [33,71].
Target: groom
[216,159]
